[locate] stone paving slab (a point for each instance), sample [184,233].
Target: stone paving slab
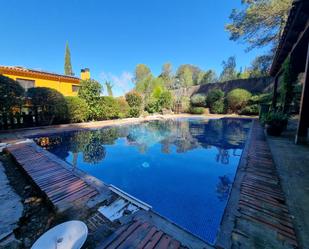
[11,206]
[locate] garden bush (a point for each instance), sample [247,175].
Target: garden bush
[237,99]
[134,112]
[165,100]
[135,102]
[50,103]
[134,99]
[250,110]
[124,107]
[108,108]
[213,96]
[77,109]
[215,101]
[152,105]
[198,100]
[90,90]
[217,107]
[196,110]
[11,94]
[185,104]
[158,102]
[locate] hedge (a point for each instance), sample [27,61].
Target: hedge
[108,108]
[196,110]
[237,99]
[215,101]
[77,109]
[198,100]
[51,103]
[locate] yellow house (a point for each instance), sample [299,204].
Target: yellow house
[27,78]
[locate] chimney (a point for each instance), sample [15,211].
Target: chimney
[85,74]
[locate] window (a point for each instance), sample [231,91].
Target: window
[26,84]
[75,88]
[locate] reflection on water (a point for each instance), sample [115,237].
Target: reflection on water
[184,168]
[223,134]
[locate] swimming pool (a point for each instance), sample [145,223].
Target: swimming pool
[183,168]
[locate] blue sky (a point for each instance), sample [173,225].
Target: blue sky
[111,37]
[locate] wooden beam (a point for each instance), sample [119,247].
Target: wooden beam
[303,123]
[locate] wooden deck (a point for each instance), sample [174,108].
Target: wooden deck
[264,220]
[140,235]
[60,185]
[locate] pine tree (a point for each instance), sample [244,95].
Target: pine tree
[67,61]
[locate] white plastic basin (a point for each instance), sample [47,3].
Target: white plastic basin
[68,235]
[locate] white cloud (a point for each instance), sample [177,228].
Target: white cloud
[122,83]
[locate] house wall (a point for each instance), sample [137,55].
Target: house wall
[61,86]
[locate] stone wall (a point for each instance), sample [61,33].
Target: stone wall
[253,85]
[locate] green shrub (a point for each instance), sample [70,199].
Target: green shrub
[77,109]
[217,107]
[213,96]
[260,99]
[134,112]
[11,94]
[152,105]
[196,110]
[215,101]
[250,110]
[124,107]
[90,91]
[108,108]
[275,118]
[134,99]
[165,100]
[237,99]
[50,103]
[198,100]
[185,104]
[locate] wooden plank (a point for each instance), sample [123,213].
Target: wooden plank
[124,235]
[146,239]
[135,237]
[154,240]
[59,184]
[113,237]
[175,244]
[164,242]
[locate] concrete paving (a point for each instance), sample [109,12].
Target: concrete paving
[11,208]
[292,162]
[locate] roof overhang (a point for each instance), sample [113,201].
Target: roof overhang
[295,32]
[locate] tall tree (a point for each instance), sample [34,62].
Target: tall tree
[209,76]
[186,78]
[229,69]
[67,61]
[195,71]
[260,65]
[167,74]
[259,23]
[142,71]
[109,89]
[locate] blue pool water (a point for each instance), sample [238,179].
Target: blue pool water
[183,168]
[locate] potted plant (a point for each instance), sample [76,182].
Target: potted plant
[275,122]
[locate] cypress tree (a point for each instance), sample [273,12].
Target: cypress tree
[67,61]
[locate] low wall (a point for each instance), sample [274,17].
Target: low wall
[253,85]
